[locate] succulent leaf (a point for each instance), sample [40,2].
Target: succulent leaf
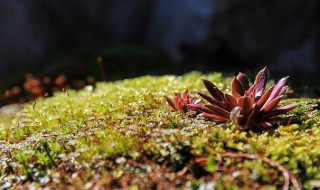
[216,118]
[211,100]
[171,103]
[235,94]
[243,79]
[286,108]
[237,87]
[277,89]
[271,105]
[264,97]
[185,96]
[218,111]
[201,108]
[213,90]
[281,110]
[246,104]
[261,81]
[283,91]
[231,101]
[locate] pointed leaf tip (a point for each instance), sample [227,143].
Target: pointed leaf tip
[261,81]
[237,86]
[243,79]
[213,90]
[287,108]
[277,89]
[171,103]
[185,93]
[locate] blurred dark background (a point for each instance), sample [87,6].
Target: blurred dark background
[115,39]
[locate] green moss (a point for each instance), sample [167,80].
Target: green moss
[99,128]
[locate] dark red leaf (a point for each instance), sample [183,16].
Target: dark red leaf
[200,108]
[218,111]
[211,100]
[271,105]
[236,86]
[277,89]
[251,89]
[264,97]
[283,90]
[246,104]
[235,94]
[185,96]
[261,81]
[213,90]
[252,95]
[171,103]
[177,97]
[232,102]
[215,117]
[286,108]
[180,104]
[272,119]
[243,79]
[281,110]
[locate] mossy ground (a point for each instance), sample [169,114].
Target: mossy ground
[123,135]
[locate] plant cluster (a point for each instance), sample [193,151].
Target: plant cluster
[181,103]
[248,107]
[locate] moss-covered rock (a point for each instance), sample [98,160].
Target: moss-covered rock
[123,135]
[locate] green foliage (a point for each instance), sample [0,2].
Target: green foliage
[126,128]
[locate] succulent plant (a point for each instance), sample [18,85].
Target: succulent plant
[249,107]
[180,103]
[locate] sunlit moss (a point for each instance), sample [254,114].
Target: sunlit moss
[94,126]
